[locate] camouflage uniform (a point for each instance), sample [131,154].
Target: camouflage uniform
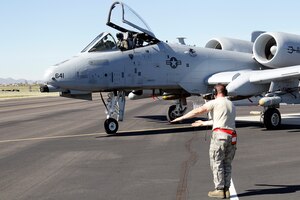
[221,154]
[222,150]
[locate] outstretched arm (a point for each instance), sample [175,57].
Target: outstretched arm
[202,123]
[191,114]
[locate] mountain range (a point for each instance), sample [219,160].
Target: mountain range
[8,81]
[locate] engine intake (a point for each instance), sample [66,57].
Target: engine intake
[230,44]
[276,49]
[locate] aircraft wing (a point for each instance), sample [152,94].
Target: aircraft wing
[224,77]
[267,76]
[257,76]
[256,82]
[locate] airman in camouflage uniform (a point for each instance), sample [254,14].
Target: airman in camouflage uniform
[223,140]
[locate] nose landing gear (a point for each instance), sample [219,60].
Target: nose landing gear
[115,107]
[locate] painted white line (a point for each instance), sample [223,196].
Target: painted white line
[233,194]
[51,137]
[88,135]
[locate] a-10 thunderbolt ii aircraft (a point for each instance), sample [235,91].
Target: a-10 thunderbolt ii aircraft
[268,67]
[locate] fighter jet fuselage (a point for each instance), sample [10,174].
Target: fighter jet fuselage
[162,65]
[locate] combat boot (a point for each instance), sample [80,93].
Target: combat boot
[226,193]
[216,194]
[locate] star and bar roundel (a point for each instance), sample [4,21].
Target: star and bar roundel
[173,62]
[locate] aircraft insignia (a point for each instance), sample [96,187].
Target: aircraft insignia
[173,62]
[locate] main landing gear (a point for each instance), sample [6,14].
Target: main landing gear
[272,118]
[177,110]
[115,107]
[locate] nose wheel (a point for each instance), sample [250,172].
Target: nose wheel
[111,126]
[115,107]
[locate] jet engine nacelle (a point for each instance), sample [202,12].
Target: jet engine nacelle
[276,49]
[230,44]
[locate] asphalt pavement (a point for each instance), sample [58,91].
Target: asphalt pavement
[56,148]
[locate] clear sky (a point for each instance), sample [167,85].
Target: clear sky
[36,34]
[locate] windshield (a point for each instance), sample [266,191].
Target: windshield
[92,43]
[103,42]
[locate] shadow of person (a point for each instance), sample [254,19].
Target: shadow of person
[272,189]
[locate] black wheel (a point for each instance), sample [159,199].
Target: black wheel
[171,115]
[272,119]
[111,126]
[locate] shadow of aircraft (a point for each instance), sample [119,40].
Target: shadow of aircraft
[163,119]
[158,131]
[156,118]
[239,124]
[185,126]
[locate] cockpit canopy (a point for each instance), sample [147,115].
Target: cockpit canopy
[124,19]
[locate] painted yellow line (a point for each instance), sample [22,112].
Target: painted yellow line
[88,135]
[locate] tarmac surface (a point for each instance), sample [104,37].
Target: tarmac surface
[56,148]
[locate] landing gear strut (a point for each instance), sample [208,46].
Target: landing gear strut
[115,107]
[272,118]
[177,110]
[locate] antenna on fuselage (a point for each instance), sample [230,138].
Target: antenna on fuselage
[181,40]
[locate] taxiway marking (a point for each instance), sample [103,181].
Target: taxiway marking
[50,137]
[232,191]
[89,134]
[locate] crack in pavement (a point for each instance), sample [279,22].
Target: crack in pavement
[182,189]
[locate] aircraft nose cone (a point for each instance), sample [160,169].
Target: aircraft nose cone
[48,75]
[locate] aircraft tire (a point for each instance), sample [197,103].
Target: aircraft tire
[171,115]
[111,126]
[272,119]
